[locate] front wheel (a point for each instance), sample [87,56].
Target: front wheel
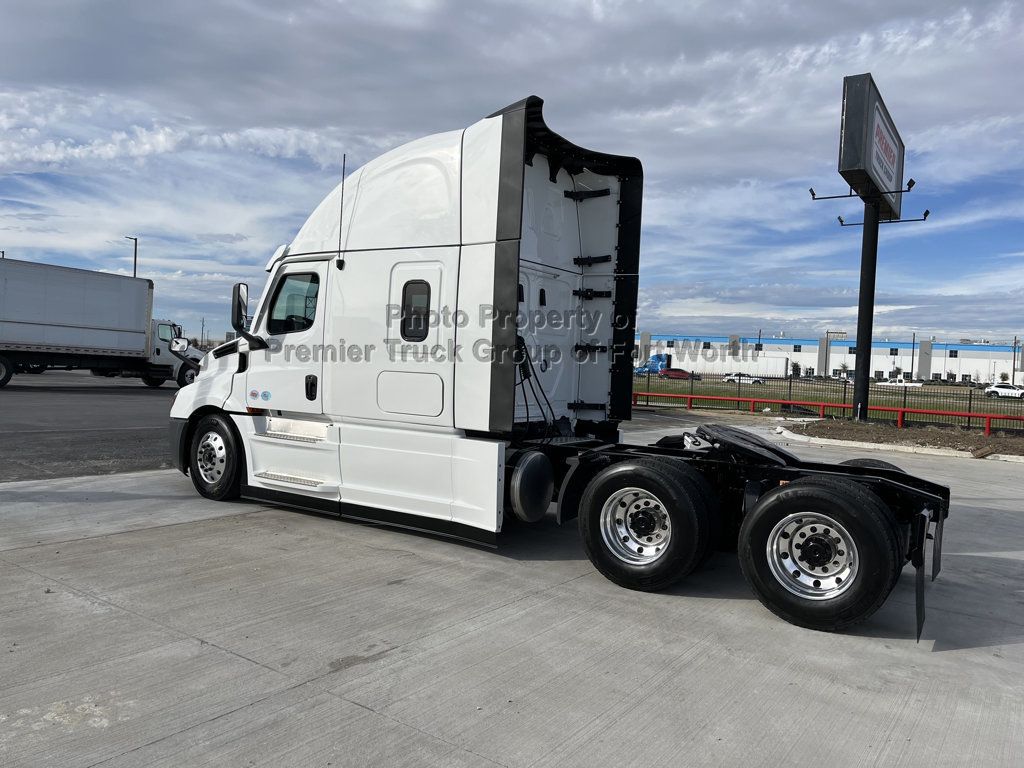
[215,459]
[645,524]
[820,555]
[186,375]
[6,371]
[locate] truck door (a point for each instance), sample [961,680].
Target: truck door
[288,375]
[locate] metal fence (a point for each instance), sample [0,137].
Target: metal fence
[933,397]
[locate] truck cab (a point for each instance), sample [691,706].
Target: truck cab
[163,363]
[480,293]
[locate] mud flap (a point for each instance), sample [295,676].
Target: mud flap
[937,546]
[919,532]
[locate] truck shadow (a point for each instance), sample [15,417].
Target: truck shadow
[140,391]
[977,602]
[720,577]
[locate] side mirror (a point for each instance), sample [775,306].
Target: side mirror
[179,346]
[239,307]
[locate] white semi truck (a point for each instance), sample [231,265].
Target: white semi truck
[446,345]
[61,317]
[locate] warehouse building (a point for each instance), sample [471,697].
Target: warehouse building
[835,355]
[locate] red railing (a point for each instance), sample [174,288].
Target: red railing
[821,406]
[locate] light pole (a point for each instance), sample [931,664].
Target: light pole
[135,258]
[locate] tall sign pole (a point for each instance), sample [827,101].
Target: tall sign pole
[871,161]
[865,312]
[135,254]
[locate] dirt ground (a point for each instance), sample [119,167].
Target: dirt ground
[973,440]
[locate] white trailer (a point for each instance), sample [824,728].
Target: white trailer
[447,344]
[61,317]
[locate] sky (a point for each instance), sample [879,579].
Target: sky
[211,129]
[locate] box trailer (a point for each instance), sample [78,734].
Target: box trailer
[446,345]
[61,317]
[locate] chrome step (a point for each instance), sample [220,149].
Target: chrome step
[292,436]
[279,477]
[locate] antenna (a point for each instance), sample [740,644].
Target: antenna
[341,205]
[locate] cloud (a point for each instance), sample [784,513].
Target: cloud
[212,141]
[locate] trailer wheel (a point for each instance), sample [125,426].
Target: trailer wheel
[821,555]
[151,381]
[215,459]
[6,371]
[186,375]
[643,523]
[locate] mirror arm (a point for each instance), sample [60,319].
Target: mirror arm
[187,360]
[255,342]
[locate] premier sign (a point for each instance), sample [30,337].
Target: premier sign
[870,148]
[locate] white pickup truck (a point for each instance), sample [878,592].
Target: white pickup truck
[61,317]
[447,345]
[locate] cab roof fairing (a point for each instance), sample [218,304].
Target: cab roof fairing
[410,195]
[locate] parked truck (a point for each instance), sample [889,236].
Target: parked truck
[61,317]
[403,366]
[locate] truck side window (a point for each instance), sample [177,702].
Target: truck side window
[415,310]
[164,333]
[294,305]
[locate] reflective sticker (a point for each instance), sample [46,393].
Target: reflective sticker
[254,394]
[265,395]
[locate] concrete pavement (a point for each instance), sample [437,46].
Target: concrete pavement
[143,625]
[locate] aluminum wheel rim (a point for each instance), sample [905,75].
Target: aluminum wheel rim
[211,457]
[812,556]
[635,526]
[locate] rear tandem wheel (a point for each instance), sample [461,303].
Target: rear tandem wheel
[821,553]
[647,523]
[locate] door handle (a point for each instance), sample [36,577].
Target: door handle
[311,387]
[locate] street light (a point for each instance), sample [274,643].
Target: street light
[135,259]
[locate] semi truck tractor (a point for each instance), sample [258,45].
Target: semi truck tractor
[60,317]
[446,345]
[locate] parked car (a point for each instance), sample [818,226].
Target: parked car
[1004,390]
[899,383]
[646,368]
[743,378]
[677,373]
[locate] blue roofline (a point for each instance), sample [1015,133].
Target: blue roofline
[876,344]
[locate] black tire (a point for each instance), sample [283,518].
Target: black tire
[699,485]
[151,381]
[865,519]
[902,529]
[680,497]
[186,375]
[870,464]
[6,371]
[219,477]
